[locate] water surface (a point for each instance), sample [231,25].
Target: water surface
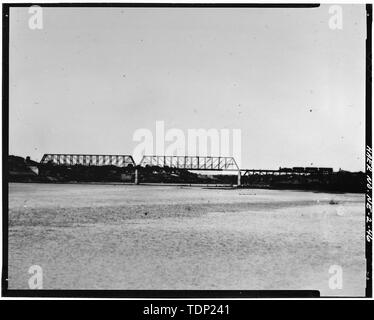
[172,237]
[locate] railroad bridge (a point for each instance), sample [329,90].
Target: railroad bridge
[193,163]
[88,160]
[179,162]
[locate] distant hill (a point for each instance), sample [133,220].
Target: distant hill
[22,170]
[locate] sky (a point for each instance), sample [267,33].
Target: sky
[91,77]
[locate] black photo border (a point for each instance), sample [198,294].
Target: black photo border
[179,294]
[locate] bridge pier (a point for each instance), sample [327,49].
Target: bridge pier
[136,176]
[239,178]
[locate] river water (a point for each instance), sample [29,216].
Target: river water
[88,236]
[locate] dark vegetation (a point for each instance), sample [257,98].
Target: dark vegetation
[27,170]
[341,181]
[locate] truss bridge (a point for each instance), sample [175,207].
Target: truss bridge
[191,162]
[88,160]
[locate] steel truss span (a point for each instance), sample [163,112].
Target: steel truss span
[88,160]
[191,162]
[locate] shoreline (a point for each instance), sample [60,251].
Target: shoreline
[197,185]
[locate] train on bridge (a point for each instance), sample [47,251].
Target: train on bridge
[320,170]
